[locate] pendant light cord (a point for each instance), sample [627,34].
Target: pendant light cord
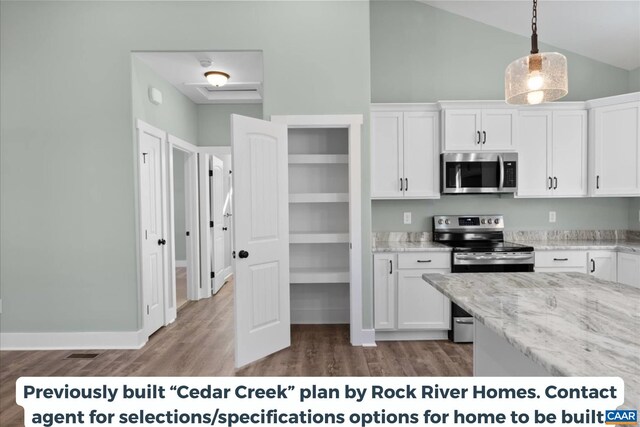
[534,28]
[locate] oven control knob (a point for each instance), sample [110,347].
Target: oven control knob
[483,221]
[447,222]
[496,221]
[489,220]
[440,221]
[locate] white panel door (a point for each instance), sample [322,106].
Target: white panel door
[151,142]
[629,269]
[386,155]
[534,149]
[569,153]
[384,290]
[617,150]
[216,213]
[603,265]
[261,238]
[421,163]
[462,130]
[420,305]
[498,129]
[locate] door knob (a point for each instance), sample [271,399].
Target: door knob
[162,242]
[243,254]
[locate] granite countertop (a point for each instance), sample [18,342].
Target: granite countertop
[628,246]
[572,324]
[397,246]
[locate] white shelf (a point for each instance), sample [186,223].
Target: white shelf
[319,238]
[316,275]
[318,158]
[318,197]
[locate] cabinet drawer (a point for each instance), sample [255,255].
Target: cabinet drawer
[559,259]
[425,260]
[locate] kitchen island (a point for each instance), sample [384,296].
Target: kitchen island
[559,324]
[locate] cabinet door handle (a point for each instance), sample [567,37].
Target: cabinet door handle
[424,260]
[484,137]
[561,259]
[400,184]
[598,182]
[550,183]
[390,266]
[555,182]
[406,184]
[593,265]
[478,141]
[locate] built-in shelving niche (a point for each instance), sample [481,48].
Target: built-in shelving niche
[319,225]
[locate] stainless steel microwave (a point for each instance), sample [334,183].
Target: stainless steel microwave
[468,173]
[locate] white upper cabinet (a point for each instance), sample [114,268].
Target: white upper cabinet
[386,155]
[614,136]
[552,148]
[477,129]
[404,154]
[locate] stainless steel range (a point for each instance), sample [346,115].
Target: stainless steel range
[478,247]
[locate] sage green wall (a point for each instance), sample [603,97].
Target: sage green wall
[423,54]
[68,249]
[214,123]
[177,115]
[520,214]
[179,205]
[634,211]
[634,80]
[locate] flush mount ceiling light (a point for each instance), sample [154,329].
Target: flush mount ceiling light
[536,78]
[217,78]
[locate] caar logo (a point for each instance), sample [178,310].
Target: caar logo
[621,416]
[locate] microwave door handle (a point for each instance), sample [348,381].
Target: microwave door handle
[501,172]
[458,176]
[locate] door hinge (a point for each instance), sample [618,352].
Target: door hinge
[210,172]
[187,234]
[230,172]
[147,309]
[211,224]
[233,254]
[213,275]
[144,157]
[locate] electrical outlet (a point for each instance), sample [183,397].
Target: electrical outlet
[552,216]
[407,218]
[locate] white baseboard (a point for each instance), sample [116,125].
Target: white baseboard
[181,263]
[410,335]
[367,338]
[127,340]
[320,316]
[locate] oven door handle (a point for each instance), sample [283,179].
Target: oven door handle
[465,321]
[496,257]
[501,170]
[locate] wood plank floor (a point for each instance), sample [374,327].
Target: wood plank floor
[200,343]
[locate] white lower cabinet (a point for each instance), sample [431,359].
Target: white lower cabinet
[561,262]
[384,291]
[420,305]
[603,265]
[403,301]
[629,269]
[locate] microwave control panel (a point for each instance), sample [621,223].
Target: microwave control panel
[510,173]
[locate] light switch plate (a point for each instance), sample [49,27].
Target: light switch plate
[552,216]
[407,218]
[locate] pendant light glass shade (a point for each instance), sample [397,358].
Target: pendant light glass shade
[536,78]
[217,78]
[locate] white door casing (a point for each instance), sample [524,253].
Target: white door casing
[216,203]
[151,143]
[261,231]
[192,225]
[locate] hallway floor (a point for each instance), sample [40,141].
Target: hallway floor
[200,343]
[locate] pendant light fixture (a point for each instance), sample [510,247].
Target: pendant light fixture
[217,78]
[538,77]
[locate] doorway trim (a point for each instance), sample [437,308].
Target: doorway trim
[191,222]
